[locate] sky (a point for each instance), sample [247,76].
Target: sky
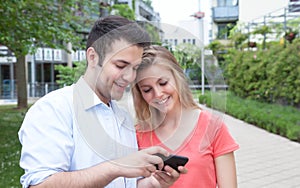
[173,11]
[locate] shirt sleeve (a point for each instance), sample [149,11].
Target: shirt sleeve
[223,142]
[46,138]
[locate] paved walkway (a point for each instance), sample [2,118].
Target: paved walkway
[14,101]
[264,160]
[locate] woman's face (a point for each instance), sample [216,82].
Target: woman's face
[158,87]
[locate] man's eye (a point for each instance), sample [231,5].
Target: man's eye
[120,66]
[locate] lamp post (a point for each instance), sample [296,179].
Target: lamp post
[200,15]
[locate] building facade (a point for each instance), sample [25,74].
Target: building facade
[42,75]
[225,15]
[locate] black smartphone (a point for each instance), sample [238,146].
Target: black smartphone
[173,161]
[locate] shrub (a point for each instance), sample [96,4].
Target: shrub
[270,75]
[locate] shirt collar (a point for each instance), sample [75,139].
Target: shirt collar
[90,99]
[88,96]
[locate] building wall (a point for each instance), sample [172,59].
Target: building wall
[175,35]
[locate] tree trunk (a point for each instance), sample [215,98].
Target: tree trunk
[21,82]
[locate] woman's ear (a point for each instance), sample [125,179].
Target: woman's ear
[92,57]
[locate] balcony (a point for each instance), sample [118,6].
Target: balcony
[226,14]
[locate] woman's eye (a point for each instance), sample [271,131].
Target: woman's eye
[146,90]
[163,83]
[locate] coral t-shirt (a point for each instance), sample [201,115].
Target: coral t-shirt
[209,139]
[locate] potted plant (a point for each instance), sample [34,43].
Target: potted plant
[290,36]
[252,44]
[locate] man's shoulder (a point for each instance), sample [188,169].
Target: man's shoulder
[57,98]
[54,105]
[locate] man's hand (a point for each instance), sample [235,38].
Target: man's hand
[141,163]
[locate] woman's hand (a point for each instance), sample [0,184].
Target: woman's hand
[162,179]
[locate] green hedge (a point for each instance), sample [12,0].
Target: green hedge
[271,75]
[281,120]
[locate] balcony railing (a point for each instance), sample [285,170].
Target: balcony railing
[226,14]
[8,91]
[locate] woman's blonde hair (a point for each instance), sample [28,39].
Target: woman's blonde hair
[159,55]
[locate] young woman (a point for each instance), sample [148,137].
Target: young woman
[168,116]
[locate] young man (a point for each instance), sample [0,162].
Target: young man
[77,136]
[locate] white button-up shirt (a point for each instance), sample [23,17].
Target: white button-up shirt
[71,129]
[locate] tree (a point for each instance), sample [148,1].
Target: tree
[187,55]
[28,24]
[123,10]
[189,58]
[69,75]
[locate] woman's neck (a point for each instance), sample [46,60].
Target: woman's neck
[172,118]
[176,128]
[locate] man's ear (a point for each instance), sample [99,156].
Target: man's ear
[92,57]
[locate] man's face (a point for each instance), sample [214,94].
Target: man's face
[118,71]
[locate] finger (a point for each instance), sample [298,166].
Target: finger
[151,168]
[154,160]
[146,173]
[172,172]
[157,149]
[160,165]
[163,177]
[158,177]
[183,170]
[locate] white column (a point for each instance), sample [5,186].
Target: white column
[32,85]
[69,55]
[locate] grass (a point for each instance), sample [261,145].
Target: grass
[10,121]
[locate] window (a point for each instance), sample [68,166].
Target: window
[210,33]
[223,3]
[223,30]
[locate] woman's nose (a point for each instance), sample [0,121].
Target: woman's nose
[157,92]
